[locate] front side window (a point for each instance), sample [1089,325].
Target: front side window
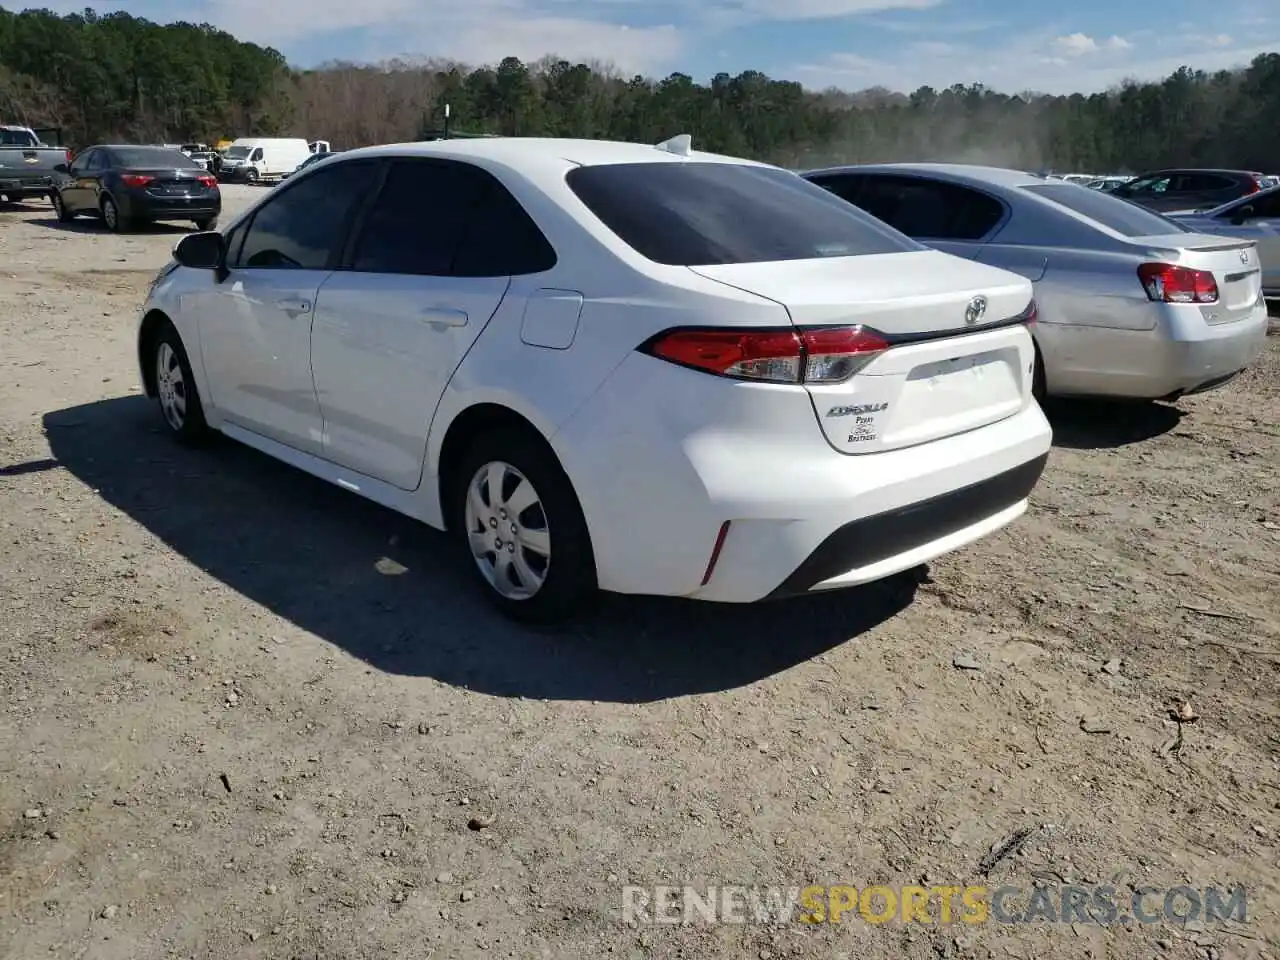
[705,213]
[1261,206]
[304,227]
[1149,185]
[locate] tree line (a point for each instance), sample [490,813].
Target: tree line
[116,77]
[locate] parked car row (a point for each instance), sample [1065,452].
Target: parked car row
[652,370]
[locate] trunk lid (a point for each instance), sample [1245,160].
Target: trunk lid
[942,376]
[1234,263]
[170,182]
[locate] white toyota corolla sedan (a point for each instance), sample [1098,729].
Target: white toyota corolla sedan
[609,366]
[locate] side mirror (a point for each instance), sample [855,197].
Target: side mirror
[1241,215]
[200,251]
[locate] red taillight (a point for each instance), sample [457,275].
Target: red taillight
[207,181]
[821,355]
[1030,315]
[1172,284]
[135,179]
[1254,186]
[70,157]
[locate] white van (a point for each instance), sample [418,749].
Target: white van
[256,159]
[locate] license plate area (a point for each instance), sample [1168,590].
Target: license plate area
[956,394]
[1241,289]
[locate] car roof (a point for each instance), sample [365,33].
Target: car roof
[958,172]
[1164,170]
[516,152]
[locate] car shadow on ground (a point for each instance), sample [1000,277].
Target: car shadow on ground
[1104,424]
[94,225]
[390,591]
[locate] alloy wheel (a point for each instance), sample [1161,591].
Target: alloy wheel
[507,530]
[171,386]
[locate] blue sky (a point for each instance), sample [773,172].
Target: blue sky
[1011,45]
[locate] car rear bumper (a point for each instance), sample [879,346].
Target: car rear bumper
[144,206]
[660,480]
[1181,354]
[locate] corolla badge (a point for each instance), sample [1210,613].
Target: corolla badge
[857,410]
[975,311]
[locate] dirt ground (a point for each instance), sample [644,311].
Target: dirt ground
[247,715]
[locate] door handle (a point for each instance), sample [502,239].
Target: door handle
[294,305]
[443,317]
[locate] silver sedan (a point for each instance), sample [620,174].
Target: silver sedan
[1255,217]
[1131,304]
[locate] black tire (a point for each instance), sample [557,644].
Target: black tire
[569,581]
[113,218]
[60,208]
[251,175]
[208,223]
[190,429]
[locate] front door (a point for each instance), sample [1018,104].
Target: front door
[431,264]
[75,192]
[255,326]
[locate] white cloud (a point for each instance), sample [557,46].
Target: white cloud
[631,49]
[792,10]
[1033,62]
[1075,45]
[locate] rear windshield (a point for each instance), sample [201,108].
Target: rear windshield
[700,214]
[152,157]
[1123,217]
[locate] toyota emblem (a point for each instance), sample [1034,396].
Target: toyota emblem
[975,311]
[1244,255]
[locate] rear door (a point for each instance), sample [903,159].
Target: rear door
[429,266]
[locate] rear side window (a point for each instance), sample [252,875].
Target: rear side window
[700,214]
[1127,219]
[929,209]
[1204,182]
[304,226]
[444,218]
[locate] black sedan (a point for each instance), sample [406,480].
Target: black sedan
[130,186]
